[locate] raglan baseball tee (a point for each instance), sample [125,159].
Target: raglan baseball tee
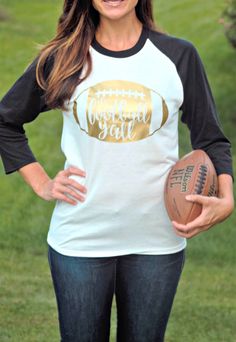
[121,127]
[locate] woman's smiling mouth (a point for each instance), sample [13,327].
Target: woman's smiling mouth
[113,3]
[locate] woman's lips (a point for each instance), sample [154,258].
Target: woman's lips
[113,3]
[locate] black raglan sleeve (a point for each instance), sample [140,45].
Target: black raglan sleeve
[200,114]
[21,104]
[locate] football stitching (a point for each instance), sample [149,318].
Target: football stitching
[120,92]
[201,180]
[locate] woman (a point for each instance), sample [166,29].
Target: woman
[120,84]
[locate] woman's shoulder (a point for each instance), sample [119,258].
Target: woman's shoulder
[170,43]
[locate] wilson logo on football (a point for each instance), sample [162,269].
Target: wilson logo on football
[119,111]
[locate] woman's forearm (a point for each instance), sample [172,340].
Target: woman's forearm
[35,176]
[225,185]
[225,191]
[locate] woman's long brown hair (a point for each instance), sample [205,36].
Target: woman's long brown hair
[69,49]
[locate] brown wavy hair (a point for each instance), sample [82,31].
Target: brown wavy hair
[69,49]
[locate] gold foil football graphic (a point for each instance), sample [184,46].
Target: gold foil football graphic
[119,111]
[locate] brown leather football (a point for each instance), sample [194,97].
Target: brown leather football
[192,174]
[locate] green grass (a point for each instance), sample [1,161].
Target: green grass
[205,305]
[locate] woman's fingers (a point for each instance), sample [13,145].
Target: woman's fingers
[63,177]
[62,187]
[64,198]
[204,221]
[200,199]
[186,232]
[201,221]
[73,183]
[74,171]
[67,190]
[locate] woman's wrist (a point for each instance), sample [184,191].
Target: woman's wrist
[225,190]
[41,189]
[35,176]
[225,185]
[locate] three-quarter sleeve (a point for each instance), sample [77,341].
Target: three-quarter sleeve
[200,114]
[23,102]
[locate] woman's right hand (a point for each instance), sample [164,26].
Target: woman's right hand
[59,187]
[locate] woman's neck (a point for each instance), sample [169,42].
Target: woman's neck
[118,35]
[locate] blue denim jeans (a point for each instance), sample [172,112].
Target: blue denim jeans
[144,288]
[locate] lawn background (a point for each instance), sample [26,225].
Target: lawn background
[205,305]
